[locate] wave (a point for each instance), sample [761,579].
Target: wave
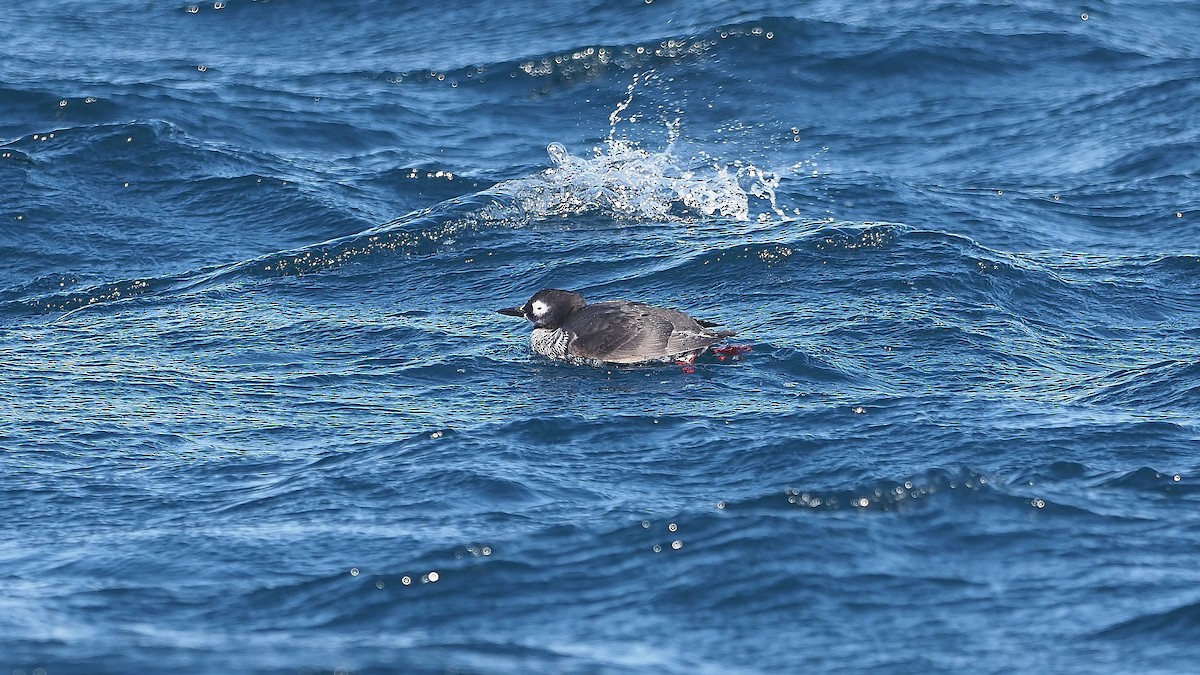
[880,496]
[1180,622]
[1061,487]
[1168,385]
[1147,481]
[622,182]
[835,44]
[20,108]
[563,68]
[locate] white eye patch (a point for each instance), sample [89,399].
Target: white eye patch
[539,308]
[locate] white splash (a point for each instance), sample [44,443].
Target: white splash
[629,182]
[625,181]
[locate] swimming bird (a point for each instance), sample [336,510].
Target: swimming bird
[567,328]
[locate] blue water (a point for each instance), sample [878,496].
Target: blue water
[258,413]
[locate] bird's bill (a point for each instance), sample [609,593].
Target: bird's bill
[512,311]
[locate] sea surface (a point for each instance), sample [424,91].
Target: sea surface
[258,413]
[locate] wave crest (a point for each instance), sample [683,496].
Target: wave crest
[622,181]
[628,182]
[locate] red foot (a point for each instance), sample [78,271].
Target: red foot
[730,351]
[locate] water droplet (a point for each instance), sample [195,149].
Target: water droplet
[1084,16]
[406,580]
[672,527]
[720,505]
[379,584]
[353,571]
[658,548]
[62,103]
[677,544]
[558,154]
[192,9]
[433,577]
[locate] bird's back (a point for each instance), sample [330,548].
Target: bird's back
[631,332]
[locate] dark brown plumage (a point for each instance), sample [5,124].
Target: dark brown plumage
[617,331]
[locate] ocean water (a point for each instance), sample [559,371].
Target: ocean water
[258,413]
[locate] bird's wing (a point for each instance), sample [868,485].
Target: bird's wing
[632,333]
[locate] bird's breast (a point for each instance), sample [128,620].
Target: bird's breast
[550,343]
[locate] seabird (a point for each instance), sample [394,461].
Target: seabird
[567,328]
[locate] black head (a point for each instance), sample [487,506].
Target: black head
[548,308]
